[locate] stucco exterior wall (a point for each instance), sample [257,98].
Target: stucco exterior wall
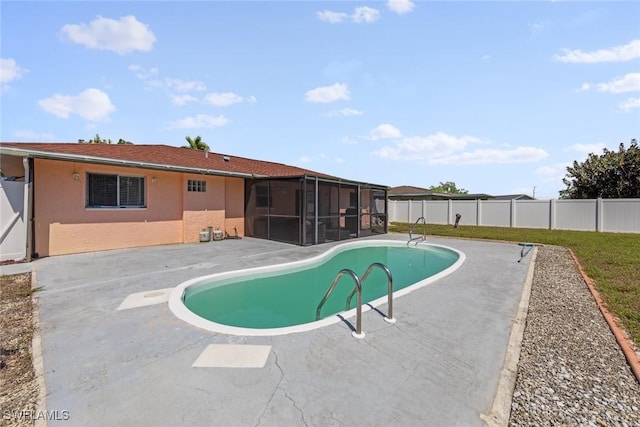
[203,209]
[234,206]
[64,225]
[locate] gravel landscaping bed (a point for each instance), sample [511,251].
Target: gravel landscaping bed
[571,370]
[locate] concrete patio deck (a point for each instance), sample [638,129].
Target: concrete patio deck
[438,365]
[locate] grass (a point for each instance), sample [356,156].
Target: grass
[612,260]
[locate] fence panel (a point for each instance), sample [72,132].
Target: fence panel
[468,209]
[437,212]
[576,215]
[621,215]
[13,232]
[416,210]
[495,213]
[533,214]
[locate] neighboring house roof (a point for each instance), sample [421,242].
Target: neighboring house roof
[158,157]
[513,197]
[409,192]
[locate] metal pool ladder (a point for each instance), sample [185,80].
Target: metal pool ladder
[424,231]
[389,317]
[358,288]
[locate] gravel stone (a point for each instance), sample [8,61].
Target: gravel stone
[571,370]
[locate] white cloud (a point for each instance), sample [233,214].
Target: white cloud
[10,70]
[486,57]
[304,159]
[199,121]
[419,148]
[179,85]
[223,99]
[443,149]
[552,173]
[183,99]
[142,73]
[586,148]
[26,134]
[616,54]
[400,6]
[91,104]
[538,25]
[629,83]
[345,112]
[385,131]
[629,104]
[584,87]
[121,36]
[328,94]
[362,14]
[349,141]
[332,17]
[365,14]
[491,156]
[551,170]
[339,160]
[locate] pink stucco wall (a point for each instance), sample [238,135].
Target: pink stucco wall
[202,210]
[234,203]
[64,225]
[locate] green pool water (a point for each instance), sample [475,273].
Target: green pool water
[290,296]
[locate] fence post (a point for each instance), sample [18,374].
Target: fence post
[424,210]
[599,214]
[449,211]
[512,221]
[552,214]
[478,213]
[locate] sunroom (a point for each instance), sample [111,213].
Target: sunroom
[309,210]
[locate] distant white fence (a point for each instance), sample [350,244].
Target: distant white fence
[611,215]
[13,230]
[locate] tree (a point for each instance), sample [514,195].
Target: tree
[196,143]
[448,187]
[98,140]
[610,175]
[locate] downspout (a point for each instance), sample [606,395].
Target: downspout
[27,162]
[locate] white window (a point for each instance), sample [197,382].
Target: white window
[197,185]
[115,191]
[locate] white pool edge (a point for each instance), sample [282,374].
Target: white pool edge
[180,310]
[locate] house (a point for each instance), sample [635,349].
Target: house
[406,192]
[91,197]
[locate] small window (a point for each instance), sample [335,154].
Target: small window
[115,191]
[197,185]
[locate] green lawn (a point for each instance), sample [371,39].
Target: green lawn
[612,260]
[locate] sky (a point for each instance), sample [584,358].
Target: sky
[498,97]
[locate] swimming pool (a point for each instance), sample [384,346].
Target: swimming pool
[283,298]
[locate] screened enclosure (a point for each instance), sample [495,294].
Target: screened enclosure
[310,210]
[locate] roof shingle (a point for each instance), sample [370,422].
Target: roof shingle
[168,155]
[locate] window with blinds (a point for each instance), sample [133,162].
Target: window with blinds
[115,191]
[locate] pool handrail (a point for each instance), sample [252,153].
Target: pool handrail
[424,231]
[389,317]
[358,332]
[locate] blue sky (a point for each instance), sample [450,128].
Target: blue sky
[498,97]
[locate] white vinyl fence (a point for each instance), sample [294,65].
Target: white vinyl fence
[611,215]
[13,230]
